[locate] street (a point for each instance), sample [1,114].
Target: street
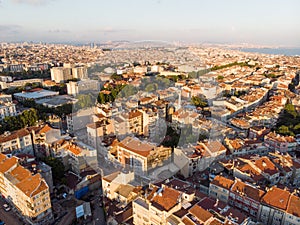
[98,215]
[10,218]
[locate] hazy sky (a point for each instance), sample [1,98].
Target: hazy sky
[222,21]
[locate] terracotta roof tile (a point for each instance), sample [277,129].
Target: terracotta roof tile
[13,135]
[293,207]
[222,182]
[201,214]
[32,185]
[166,200]
[276,197]
[7,164]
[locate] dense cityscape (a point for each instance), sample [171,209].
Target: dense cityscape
[157,112]
[148,134]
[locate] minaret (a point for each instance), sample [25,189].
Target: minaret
[179,98]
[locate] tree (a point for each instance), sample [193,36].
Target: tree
[151,87]
[101,98]
[57,166]
[199,102]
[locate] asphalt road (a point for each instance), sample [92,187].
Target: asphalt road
[10,218]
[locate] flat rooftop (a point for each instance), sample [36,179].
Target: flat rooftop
[36,94]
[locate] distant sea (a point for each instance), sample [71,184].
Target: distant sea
[274,51]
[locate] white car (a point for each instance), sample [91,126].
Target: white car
[6,207]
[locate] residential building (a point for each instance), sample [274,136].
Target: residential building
[7,109]
[60,74]
[78,121]
[273,206]
[199,157]
[18,141]
[280,143]
[28,193]
[220,188]
[111,182]
[245,197]
[141,156]
[98,130]
[82,87]
[155,209]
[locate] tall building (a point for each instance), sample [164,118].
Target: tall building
[28,193]
[60,74]
[80,72]
[83,86]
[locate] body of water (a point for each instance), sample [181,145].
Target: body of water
[274,51]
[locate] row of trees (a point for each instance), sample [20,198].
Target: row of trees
[27,118]
[230,65]
[42,110]
[27,74]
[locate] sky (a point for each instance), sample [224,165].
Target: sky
[264,22]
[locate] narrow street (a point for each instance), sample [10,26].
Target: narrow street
[10,218]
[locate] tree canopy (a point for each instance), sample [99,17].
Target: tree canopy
[26,119]
[289,121]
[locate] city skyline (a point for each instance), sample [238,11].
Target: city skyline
[215,21]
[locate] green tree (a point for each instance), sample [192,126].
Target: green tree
[101,98]
[57,166]
[199,102]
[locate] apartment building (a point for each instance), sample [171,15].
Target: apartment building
[245,197]
[219,188]
[277,142]
[18,141]
[28,193]
[7,109]
[129,123]
[273,206]
[61,74]
[157,207]
[82,87]
[198,158]
[140,156]
[257,169]
[79,120]
[98,130]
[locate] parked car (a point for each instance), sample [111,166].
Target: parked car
[6,207]
[2,223]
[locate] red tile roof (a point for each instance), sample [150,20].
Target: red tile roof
[276,197]
[222,182]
